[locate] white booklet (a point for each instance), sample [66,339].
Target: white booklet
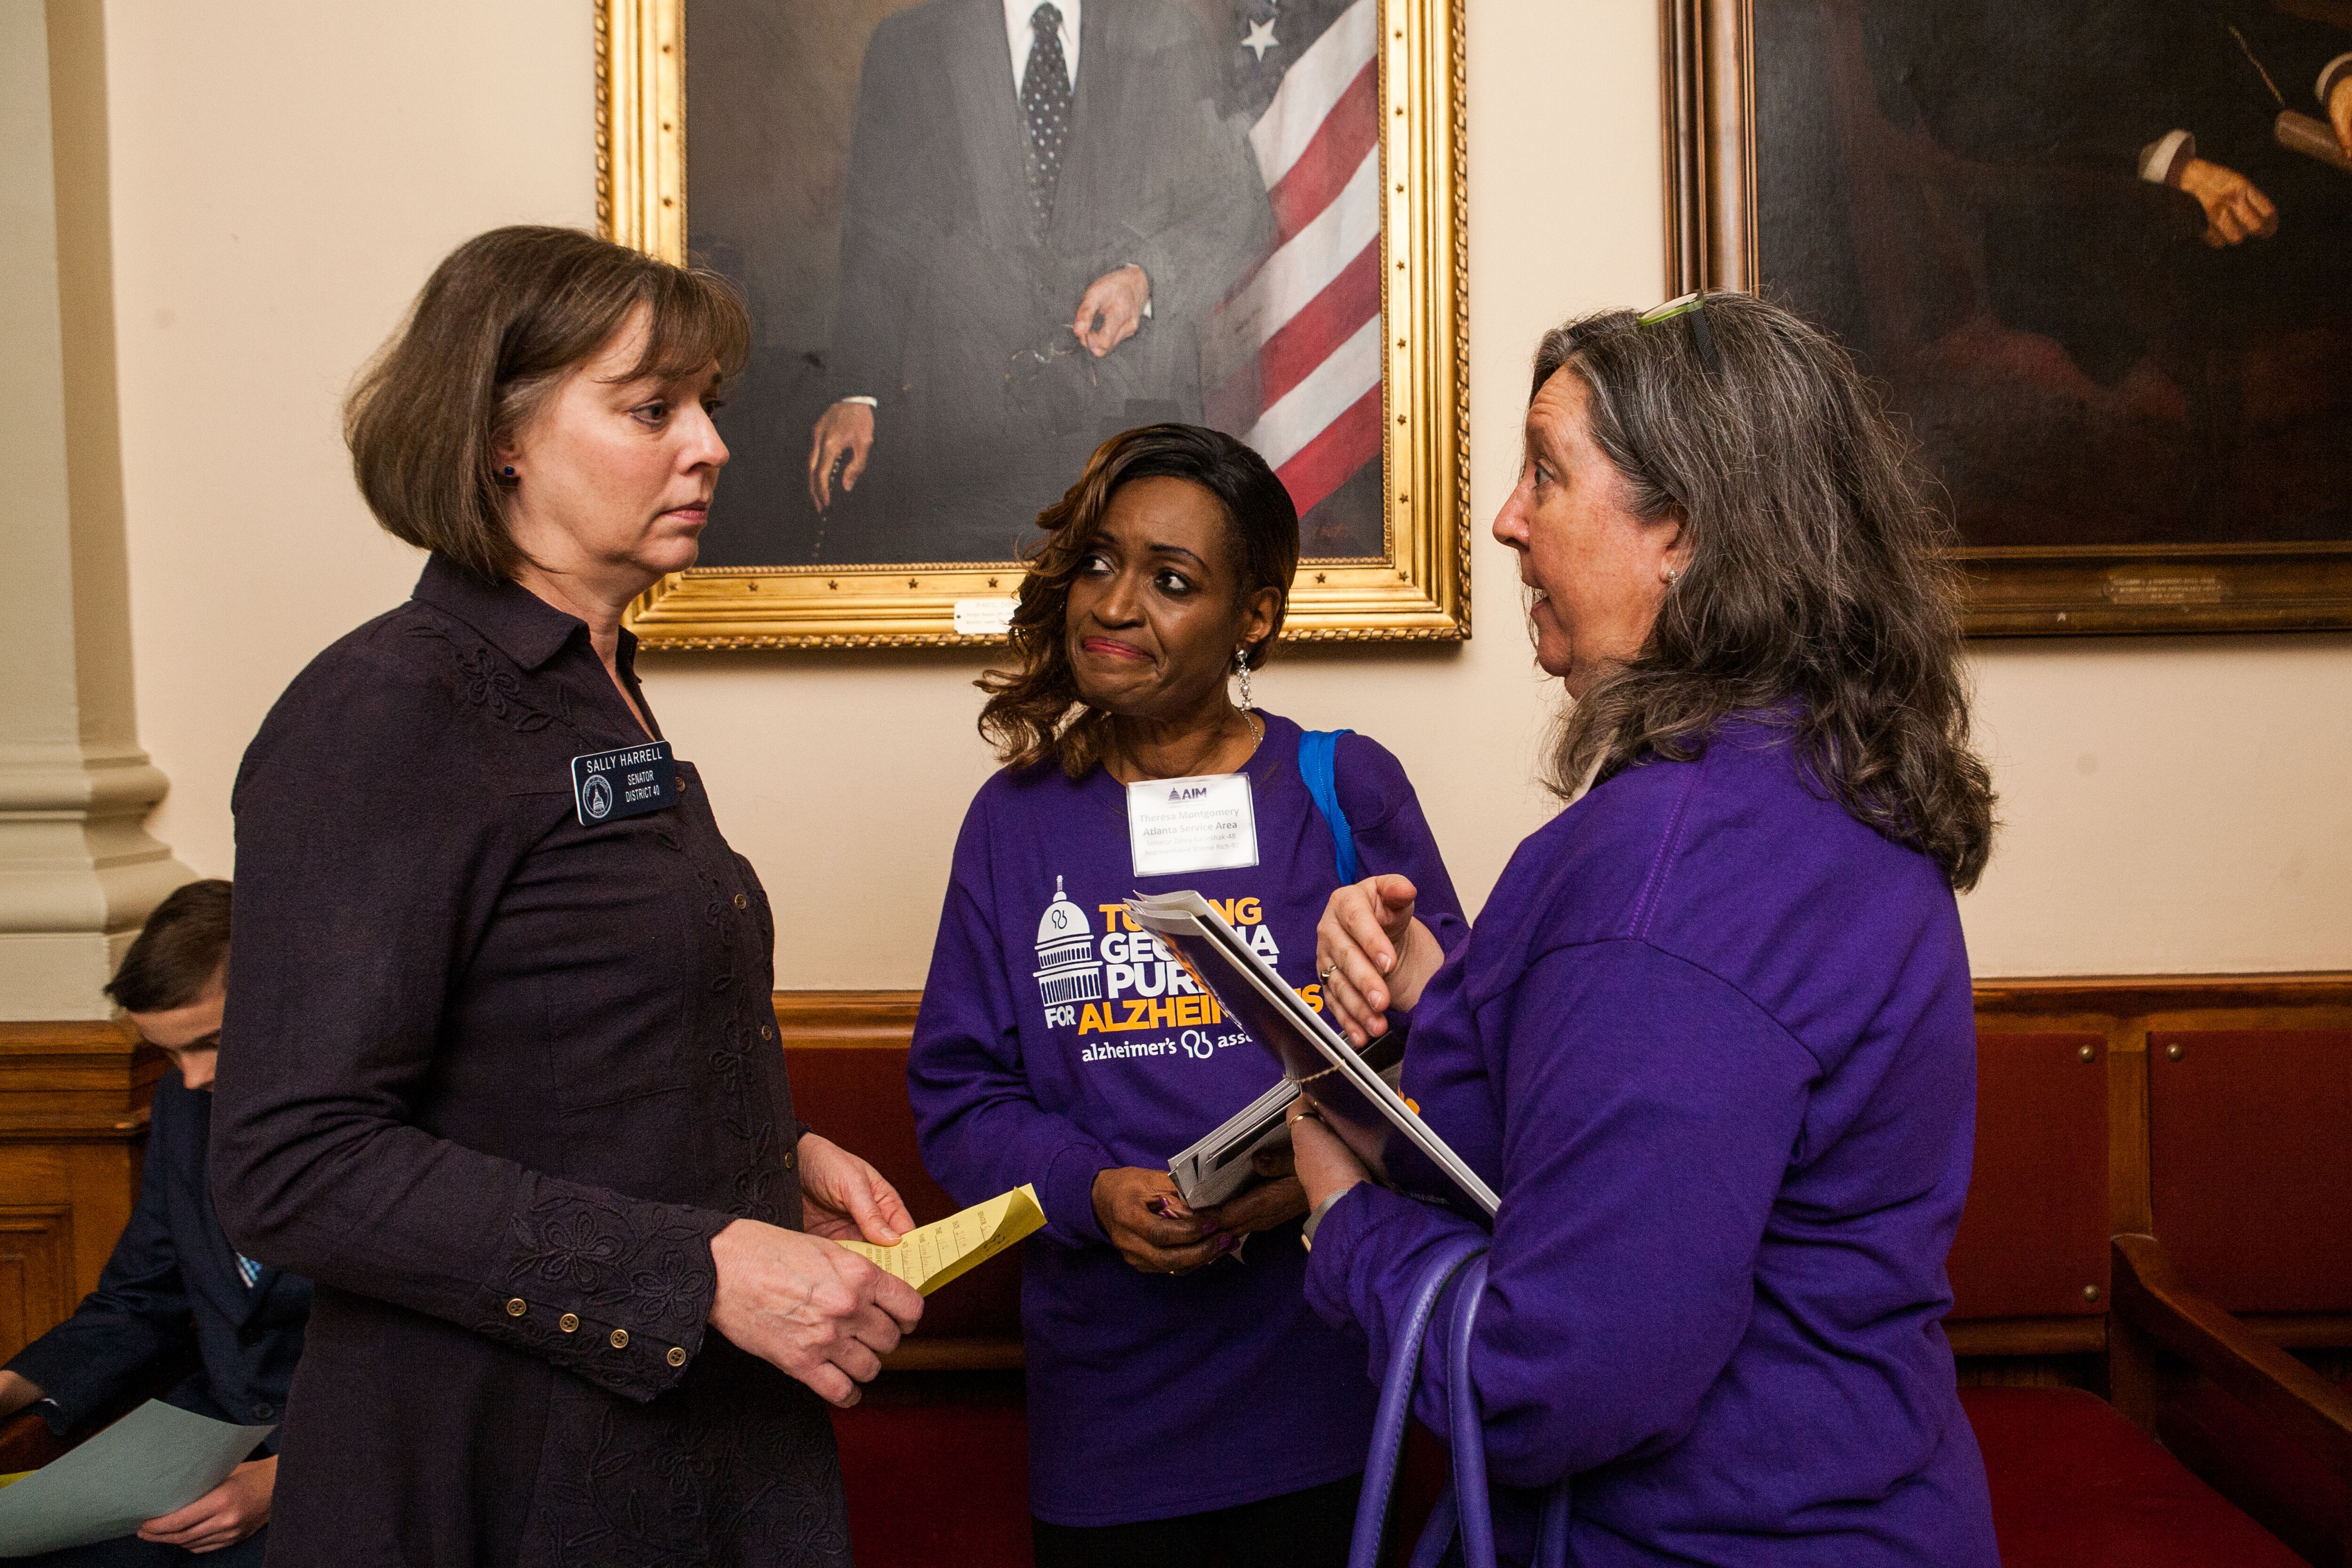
[1385,1130]
[1216,1169]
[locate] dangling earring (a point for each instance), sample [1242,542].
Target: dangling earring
[1241,666]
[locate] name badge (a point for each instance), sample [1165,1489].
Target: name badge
[609,785]
[1206,823]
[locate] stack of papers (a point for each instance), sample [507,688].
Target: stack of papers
[1347,1090]
[929,1257]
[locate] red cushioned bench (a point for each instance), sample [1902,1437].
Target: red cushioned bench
[2250,1147]
[2073,1482]
[2039,1270]
[2036,1273]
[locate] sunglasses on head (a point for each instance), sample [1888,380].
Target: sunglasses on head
[1692,305]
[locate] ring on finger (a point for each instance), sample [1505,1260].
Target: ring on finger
[1325,975]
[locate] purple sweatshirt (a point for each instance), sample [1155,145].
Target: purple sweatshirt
[1055,1042]
[1712,1042]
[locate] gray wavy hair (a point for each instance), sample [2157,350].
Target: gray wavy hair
[1821,592]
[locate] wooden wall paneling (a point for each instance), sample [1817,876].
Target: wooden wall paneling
[36,1271]
[2032,1243]
[73,1129]
[2251,1139]
[848,1055]
[2120,1011]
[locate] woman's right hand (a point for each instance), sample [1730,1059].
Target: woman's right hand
[1148,1220]
[819,1312]
[1371,955]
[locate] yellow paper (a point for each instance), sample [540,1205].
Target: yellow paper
[929,1256]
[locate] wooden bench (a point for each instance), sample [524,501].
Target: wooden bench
[2051,1306]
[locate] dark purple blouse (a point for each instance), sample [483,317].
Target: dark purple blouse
[1713,1043]
[493,1079]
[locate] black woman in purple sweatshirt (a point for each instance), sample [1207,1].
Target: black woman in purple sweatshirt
[1060,1046]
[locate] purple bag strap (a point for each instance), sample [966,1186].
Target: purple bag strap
[1465,1508]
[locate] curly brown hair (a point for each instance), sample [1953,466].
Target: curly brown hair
[1035,712]
[1821,591]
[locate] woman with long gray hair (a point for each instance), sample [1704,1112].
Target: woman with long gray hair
[1711,1039]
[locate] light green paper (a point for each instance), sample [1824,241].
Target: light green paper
[154,1461]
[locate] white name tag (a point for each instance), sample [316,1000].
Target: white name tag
[1206,823]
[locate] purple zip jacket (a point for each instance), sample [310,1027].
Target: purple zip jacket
[1055,1042]
[1712,1042]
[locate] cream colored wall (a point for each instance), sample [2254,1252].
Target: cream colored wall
[286,174]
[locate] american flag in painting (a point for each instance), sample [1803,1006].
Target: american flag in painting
[1296,366]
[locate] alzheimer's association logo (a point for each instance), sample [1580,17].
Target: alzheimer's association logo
[1067,969]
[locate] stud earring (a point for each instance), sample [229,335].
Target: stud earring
[1670,572]
[1241,666]
[507,472]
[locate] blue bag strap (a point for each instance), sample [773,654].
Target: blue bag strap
[1318,749]
[1467,1433]
[1394,1413]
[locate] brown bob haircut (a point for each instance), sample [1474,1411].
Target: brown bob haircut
[1035,711]
[498,327]
[179,951]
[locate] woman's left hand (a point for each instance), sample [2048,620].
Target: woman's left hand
[1325,1164]
[845,1199]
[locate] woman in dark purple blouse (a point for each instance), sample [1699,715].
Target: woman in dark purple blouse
[1712,1039]
[1061,1047]
[499,1069]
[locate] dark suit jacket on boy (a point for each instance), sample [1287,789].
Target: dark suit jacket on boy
[172,1291]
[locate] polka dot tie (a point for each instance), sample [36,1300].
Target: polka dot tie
[1045,100]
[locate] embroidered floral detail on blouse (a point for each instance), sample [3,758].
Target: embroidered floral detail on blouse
[676,1287]
[751,1461]
[610,1263]
[485,681]
[737,1058]
[570,1250]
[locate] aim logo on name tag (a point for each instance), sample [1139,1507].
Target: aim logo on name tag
[609,785]
[1203,823]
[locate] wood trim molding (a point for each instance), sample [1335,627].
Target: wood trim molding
[2028,1336]
[816,1020]
[76,1082]
[974,1354]
[2142,997]
[2112,1005]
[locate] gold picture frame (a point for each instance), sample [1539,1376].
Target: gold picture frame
[1417,591]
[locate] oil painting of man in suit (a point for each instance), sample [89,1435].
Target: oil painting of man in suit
[2098,249]
[1015,220]
[1044,203]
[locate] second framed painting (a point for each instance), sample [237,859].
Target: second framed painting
[979,237]
[2097,253]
